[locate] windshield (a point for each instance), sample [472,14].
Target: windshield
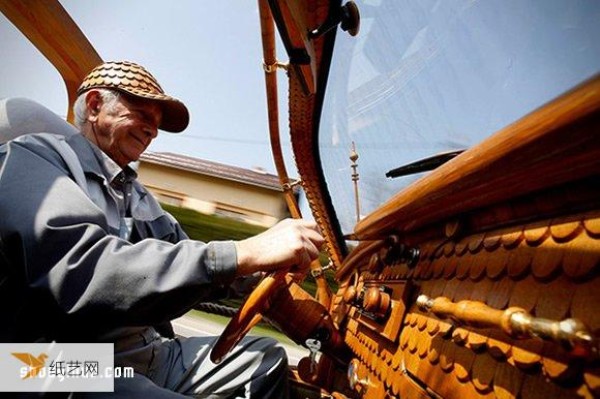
[427,77]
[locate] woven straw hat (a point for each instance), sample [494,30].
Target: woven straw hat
[134,79]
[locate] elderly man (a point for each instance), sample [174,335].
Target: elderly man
[88,255]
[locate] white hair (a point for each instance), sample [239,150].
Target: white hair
[108,96]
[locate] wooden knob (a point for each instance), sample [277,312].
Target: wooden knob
[375,264]
[376,301]
[350,294]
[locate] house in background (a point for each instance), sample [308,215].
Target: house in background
[253,196]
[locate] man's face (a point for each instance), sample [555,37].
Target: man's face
[126,127]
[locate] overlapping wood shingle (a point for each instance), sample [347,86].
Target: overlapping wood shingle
[549,269]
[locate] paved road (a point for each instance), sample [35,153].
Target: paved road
[188,326]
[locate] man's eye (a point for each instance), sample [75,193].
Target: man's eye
[146,117]
[140,115]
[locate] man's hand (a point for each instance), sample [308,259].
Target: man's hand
[288,243]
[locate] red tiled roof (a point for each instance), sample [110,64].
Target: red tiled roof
[214,169]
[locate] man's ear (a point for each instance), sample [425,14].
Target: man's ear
[93,102]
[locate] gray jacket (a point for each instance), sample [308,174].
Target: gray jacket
[65,274]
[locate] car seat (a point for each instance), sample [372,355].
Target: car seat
[20,116]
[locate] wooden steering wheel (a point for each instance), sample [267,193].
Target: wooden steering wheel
[248,315]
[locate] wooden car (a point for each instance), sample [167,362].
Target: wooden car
[480,277]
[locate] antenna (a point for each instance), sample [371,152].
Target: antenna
[355,178]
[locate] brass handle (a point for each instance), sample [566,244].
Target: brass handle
[516,322]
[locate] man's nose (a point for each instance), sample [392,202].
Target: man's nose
[151,131]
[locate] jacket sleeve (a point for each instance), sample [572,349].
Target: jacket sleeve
[59,236]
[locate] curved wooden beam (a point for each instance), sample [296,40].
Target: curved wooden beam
[54,33]
[270,61]
[270,64]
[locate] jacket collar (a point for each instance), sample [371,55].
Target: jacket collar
[95,161]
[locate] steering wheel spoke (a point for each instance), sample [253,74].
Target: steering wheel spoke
[248,315]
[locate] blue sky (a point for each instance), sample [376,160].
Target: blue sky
[208,54]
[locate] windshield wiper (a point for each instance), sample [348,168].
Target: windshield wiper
[423,165]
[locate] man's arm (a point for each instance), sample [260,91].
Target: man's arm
[61,238]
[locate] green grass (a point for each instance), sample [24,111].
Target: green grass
[203,227]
